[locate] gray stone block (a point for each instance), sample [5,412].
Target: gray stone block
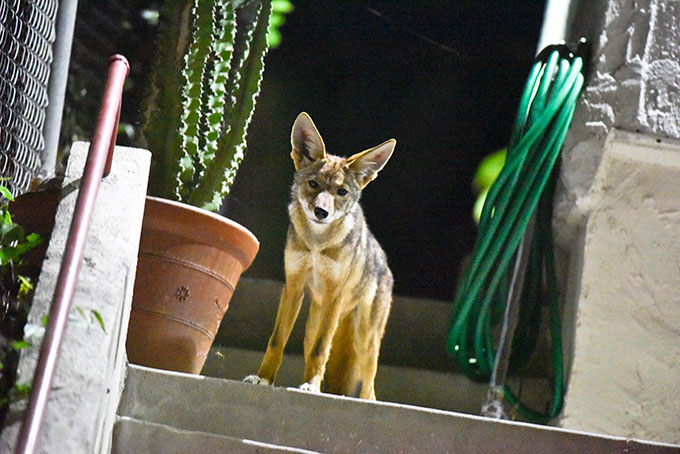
[634,85]
[333,424]
[404,385]
[88,377]
[134,436]
[626,361]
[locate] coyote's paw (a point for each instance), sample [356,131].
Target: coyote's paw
[255,380]
[309,388]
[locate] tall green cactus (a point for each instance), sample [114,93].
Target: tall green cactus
[202,96]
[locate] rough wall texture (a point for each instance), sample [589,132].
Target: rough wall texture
[634,85]
[620,307]
[88,377]
[625,379]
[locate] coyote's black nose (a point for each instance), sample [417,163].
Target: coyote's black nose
[320,213]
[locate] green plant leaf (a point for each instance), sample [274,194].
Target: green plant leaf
[486,174]
[34,238]
[274,37]
[276,21]
[19,345]
[6,217]
[282,6]
[15,253]
[10,232]
[211,206]
[279,9]
[20,391]
[488,170]
[25,286]
[99,319]
[4,191]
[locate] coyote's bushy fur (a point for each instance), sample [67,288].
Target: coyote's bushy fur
[331,253]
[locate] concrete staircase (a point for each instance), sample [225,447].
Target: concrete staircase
[170,412]
[425,405]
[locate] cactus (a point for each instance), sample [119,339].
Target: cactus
[202,96]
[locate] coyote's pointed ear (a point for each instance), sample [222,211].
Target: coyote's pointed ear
[368,163]
[307,144]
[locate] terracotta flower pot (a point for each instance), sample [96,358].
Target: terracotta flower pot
[189,263]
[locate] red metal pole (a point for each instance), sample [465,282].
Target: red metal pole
[103,142]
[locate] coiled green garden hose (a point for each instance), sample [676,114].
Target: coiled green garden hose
[523,187]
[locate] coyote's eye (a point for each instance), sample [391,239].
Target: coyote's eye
[313,184]
[342,192]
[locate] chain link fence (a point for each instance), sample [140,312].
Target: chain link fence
[26,36]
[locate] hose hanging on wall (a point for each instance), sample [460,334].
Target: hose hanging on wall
[521,193]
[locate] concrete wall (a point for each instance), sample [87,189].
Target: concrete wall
[617,263]
[634,85]
[625,377]
[89,372]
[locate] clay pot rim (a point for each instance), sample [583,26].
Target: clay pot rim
[213,227]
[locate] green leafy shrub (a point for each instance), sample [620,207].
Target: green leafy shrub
[14,242]
[15,294]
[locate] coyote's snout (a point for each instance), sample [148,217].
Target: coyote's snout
[331,253]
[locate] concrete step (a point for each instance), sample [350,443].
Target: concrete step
[414,366]
[134,436]
[332,424]
[404,385]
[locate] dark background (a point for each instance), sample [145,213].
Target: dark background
[441,77]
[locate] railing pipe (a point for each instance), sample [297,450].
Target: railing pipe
[97,165]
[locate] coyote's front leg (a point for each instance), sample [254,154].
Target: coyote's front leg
[289,308]
[324,316]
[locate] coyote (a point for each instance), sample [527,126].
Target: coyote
[331,253]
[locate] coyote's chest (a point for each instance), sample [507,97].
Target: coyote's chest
[325,255]
[329,264]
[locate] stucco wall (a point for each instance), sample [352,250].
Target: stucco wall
[634,85]
[625,378]
[621,321]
